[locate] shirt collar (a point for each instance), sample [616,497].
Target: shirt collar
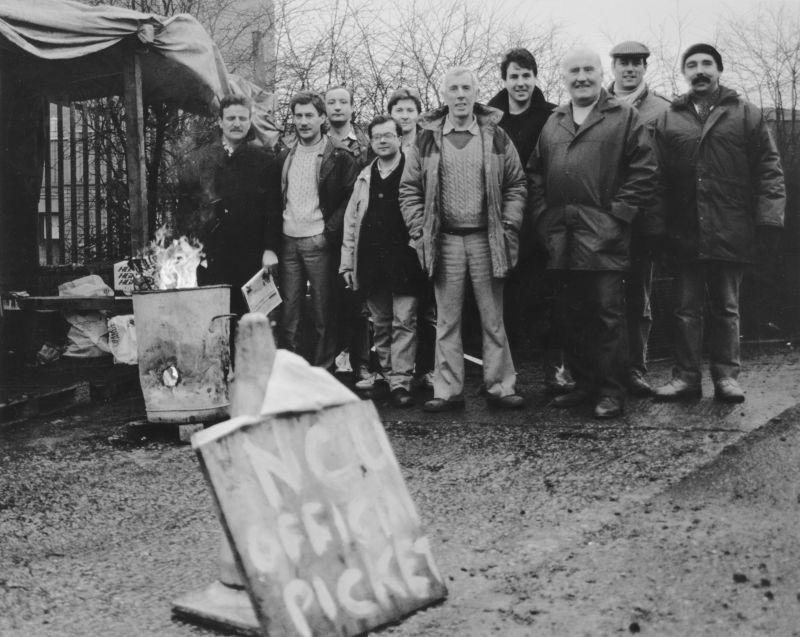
[350,135]
[473,127]
[388,171]
[229,150]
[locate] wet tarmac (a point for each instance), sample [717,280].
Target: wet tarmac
[543,521]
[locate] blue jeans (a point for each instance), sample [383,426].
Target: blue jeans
[309,259]
[459,255]
[722,280]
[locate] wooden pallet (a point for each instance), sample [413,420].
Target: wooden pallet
[26,402]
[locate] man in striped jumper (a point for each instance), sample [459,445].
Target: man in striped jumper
[463,194]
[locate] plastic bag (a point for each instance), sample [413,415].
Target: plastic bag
[88,332]
[122,339]
[87,336]
[90,285]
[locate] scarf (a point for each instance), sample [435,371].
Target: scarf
[704,105]
[633,96]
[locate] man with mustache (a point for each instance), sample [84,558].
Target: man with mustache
[592,173]
[317,181]
[229,199]
[462,196]
[629,64]
[724,200]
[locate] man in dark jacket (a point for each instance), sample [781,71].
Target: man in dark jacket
[405,108]
[724,195]
[229,199]
[592,173]
[629,64]
[530,289]
[378,262]
[353,328]
[317,181]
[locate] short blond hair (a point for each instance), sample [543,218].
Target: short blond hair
[459,70]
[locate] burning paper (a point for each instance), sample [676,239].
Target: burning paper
[167,263]
[176,264]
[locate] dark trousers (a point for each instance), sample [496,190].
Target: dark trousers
[593,330]
[638,287]
[531,300]
[722,281]
[353,328]
[426,331]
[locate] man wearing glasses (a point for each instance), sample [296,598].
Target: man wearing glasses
[463,196]
[378,261]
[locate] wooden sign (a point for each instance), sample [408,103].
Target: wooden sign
[321,524]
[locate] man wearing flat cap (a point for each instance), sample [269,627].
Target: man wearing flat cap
[629,64]
[724,201]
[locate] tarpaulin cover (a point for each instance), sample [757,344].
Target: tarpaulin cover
[74,51]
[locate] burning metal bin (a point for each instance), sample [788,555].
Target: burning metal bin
[183,340]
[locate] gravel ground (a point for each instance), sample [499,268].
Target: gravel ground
[675,520]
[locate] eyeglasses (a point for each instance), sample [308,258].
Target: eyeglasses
[380,137]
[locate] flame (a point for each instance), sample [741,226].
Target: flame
[173,262]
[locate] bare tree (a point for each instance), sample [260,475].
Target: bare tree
[767,66]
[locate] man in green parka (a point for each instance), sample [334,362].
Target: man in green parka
[724,196]
[592,173]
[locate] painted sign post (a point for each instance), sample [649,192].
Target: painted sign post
[321,524]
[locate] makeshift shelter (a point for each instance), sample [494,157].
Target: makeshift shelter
[62,51]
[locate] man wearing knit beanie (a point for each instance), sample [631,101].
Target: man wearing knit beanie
[702,48]
[724,200]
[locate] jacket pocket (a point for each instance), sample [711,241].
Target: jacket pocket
[613,234]
[419,247]
[511,239]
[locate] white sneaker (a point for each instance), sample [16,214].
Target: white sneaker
[369,381]
[343,362]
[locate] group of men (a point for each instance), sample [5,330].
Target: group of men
[568,203]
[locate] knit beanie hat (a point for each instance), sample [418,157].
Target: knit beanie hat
[702,48]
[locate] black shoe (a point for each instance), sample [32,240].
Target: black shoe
[573,398]
[401,397]
[379,390]
[437,405]
[727,390]
[637,384]
[511,401]
[608,407]
[677,389]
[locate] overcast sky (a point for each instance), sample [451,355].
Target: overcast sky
[601,24]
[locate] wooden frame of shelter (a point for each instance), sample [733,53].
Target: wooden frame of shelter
[62,52]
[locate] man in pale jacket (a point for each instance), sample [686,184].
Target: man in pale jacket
[463,196]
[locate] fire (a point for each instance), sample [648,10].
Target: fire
[172,263]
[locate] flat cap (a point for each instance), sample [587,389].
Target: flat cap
[630,49]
